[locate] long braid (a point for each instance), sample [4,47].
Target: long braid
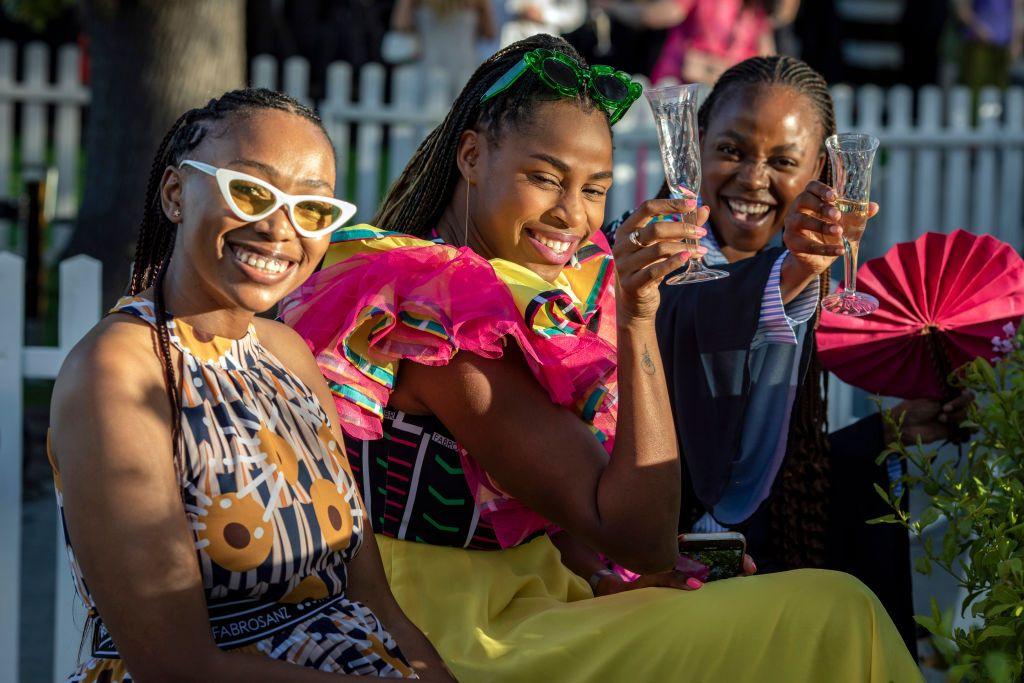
[416,201]
[798,510]
[155,244]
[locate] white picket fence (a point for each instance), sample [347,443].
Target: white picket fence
[946,167]
[941,169]
[79,310]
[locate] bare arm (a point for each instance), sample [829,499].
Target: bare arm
[403,16]
[655,15]
[785,13]
[486,26]
[367,582]
[544,455]
[111,437]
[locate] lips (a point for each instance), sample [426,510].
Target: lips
[553,248]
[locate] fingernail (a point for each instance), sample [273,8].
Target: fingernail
[691,204]
[836,230]
[694,583]
[684,256]
[834,214]
[830,195]
[753,566]
[701,232]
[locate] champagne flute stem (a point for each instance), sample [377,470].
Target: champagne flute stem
[849,268]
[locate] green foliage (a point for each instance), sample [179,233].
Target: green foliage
[36,13]
[981,497]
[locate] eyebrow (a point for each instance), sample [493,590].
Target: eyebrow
[564,167]
[743,139]
[273,172]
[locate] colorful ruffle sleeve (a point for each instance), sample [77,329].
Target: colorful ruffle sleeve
[384,297]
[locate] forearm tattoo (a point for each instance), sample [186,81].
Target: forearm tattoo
[646,362]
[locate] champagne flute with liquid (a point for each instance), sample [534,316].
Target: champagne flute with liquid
[852,156]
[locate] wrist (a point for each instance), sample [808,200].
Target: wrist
[794,277]
[604,582]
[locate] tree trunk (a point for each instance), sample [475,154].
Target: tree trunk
[150,61]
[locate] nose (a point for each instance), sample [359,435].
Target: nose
[570,209]
[753,175]
[277,227]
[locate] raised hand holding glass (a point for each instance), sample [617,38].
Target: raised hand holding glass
[852,156]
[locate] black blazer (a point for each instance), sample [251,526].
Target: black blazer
[704,334]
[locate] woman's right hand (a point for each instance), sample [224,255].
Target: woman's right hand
[640,269]
[813,232]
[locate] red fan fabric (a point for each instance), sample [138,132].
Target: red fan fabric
[966,287]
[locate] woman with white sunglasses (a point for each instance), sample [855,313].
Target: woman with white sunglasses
[213,525]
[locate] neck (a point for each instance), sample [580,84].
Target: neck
[457,226]
[733,255]
[190,303]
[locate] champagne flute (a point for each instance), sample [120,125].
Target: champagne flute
[851,155]
[675,114]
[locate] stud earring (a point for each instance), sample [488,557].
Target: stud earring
[574,262]
[177,213]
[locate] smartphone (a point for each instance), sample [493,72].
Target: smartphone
[721,553]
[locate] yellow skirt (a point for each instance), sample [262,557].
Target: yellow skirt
[520,615]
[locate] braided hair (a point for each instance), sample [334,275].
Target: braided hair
[416,201]
[798,511]
[157,234]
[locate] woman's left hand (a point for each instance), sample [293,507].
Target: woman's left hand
[678,578]
[927,419]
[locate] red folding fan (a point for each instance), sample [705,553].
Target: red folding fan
[944,300]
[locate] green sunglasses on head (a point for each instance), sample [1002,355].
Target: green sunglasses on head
[614,91]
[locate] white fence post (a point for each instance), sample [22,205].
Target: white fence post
[983,193]
[957,183]
[1011,198]
[7,53]
[79,309]
[897,173]
[927,162]
[339,92]
[12,336]
[368,141]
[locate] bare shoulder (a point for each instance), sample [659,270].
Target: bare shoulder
[289,347]
[113,368]
[119,346]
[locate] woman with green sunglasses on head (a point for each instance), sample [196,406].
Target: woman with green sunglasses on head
[510,365]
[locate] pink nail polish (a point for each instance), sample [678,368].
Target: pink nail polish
[694,583]
[684,256]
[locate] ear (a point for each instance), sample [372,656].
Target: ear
[472,149]
[170,194]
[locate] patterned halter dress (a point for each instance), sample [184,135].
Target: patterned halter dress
[273,507]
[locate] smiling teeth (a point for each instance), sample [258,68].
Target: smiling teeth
[553,245]
[259,262]
[748,208]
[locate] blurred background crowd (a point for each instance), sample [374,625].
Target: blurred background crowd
[916,42]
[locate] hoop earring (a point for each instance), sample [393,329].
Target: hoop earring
[465,236]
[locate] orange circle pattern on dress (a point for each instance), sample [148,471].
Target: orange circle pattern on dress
[235,535]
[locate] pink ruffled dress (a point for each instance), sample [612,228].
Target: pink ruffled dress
[382,298]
